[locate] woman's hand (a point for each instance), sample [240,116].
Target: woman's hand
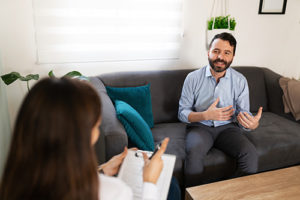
[153,167]
[112,166]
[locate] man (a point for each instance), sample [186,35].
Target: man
[215,104]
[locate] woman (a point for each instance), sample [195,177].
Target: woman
[52,156]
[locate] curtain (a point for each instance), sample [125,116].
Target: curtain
[107,30]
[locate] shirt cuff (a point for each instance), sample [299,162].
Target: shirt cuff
[149,191]
[184,116]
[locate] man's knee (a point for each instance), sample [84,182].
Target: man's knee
[248,159]
[198,140]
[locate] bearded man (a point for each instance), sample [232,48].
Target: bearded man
[215,104]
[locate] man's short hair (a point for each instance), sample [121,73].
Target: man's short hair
[227,37]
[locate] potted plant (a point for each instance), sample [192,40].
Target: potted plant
[219,24]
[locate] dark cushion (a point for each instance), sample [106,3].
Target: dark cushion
[277,142]
[136,128]
[257,87]
[138,97]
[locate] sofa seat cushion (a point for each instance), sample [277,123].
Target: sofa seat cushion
[176,132]
[277,141]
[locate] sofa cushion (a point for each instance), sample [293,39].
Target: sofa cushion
[136,128]
[277,141]
[138,97]
[291,97]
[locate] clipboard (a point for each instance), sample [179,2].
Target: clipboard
[131,173]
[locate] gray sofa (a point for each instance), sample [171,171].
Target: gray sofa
[277,139]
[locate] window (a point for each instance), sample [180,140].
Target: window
[107,30]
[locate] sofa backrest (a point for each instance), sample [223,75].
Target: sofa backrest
[166,88]
[257,87]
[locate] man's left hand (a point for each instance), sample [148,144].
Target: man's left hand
[249,121]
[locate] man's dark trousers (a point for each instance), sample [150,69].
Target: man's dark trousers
[227,138]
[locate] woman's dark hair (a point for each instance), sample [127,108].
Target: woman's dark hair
[227,37]
[51,156]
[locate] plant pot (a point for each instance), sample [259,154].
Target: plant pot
[211,33]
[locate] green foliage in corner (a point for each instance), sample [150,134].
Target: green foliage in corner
[221,22]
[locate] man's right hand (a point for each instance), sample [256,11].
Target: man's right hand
[212,113]
[218,114]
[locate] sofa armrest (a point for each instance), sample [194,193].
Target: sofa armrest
[112,132]
[275,93]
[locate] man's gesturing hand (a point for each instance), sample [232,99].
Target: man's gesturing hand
[219,114]
[248,121]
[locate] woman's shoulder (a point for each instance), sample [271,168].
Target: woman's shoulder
[113,188]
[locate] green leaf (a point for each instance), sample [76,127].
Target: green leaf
[73,74]
[30,77]
[10,78]
[51,74]
[13,76]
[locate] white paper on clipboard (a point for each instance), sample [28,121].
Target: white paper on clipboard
[131,173]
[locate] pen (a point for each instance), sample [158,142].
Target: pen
[157,147]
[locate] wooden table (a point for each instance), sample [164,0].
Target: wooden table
[283,184]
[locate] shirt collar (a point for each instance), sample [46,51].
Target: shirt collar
[208,72]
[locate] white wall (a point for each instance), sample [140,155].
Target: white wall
[263,40]
[4,124]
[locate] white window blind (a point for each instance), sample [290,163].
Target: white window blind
[107,30]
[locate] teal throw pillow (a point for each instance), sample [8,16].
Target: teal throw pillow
[137,97]
[136,128]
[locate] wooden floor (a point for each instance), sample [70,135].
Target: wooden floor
[283,184]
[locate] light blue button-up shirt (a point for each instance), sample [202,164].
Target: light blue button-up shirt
[201,89]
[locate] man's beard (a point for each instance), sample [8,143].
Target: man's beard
[216,68]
